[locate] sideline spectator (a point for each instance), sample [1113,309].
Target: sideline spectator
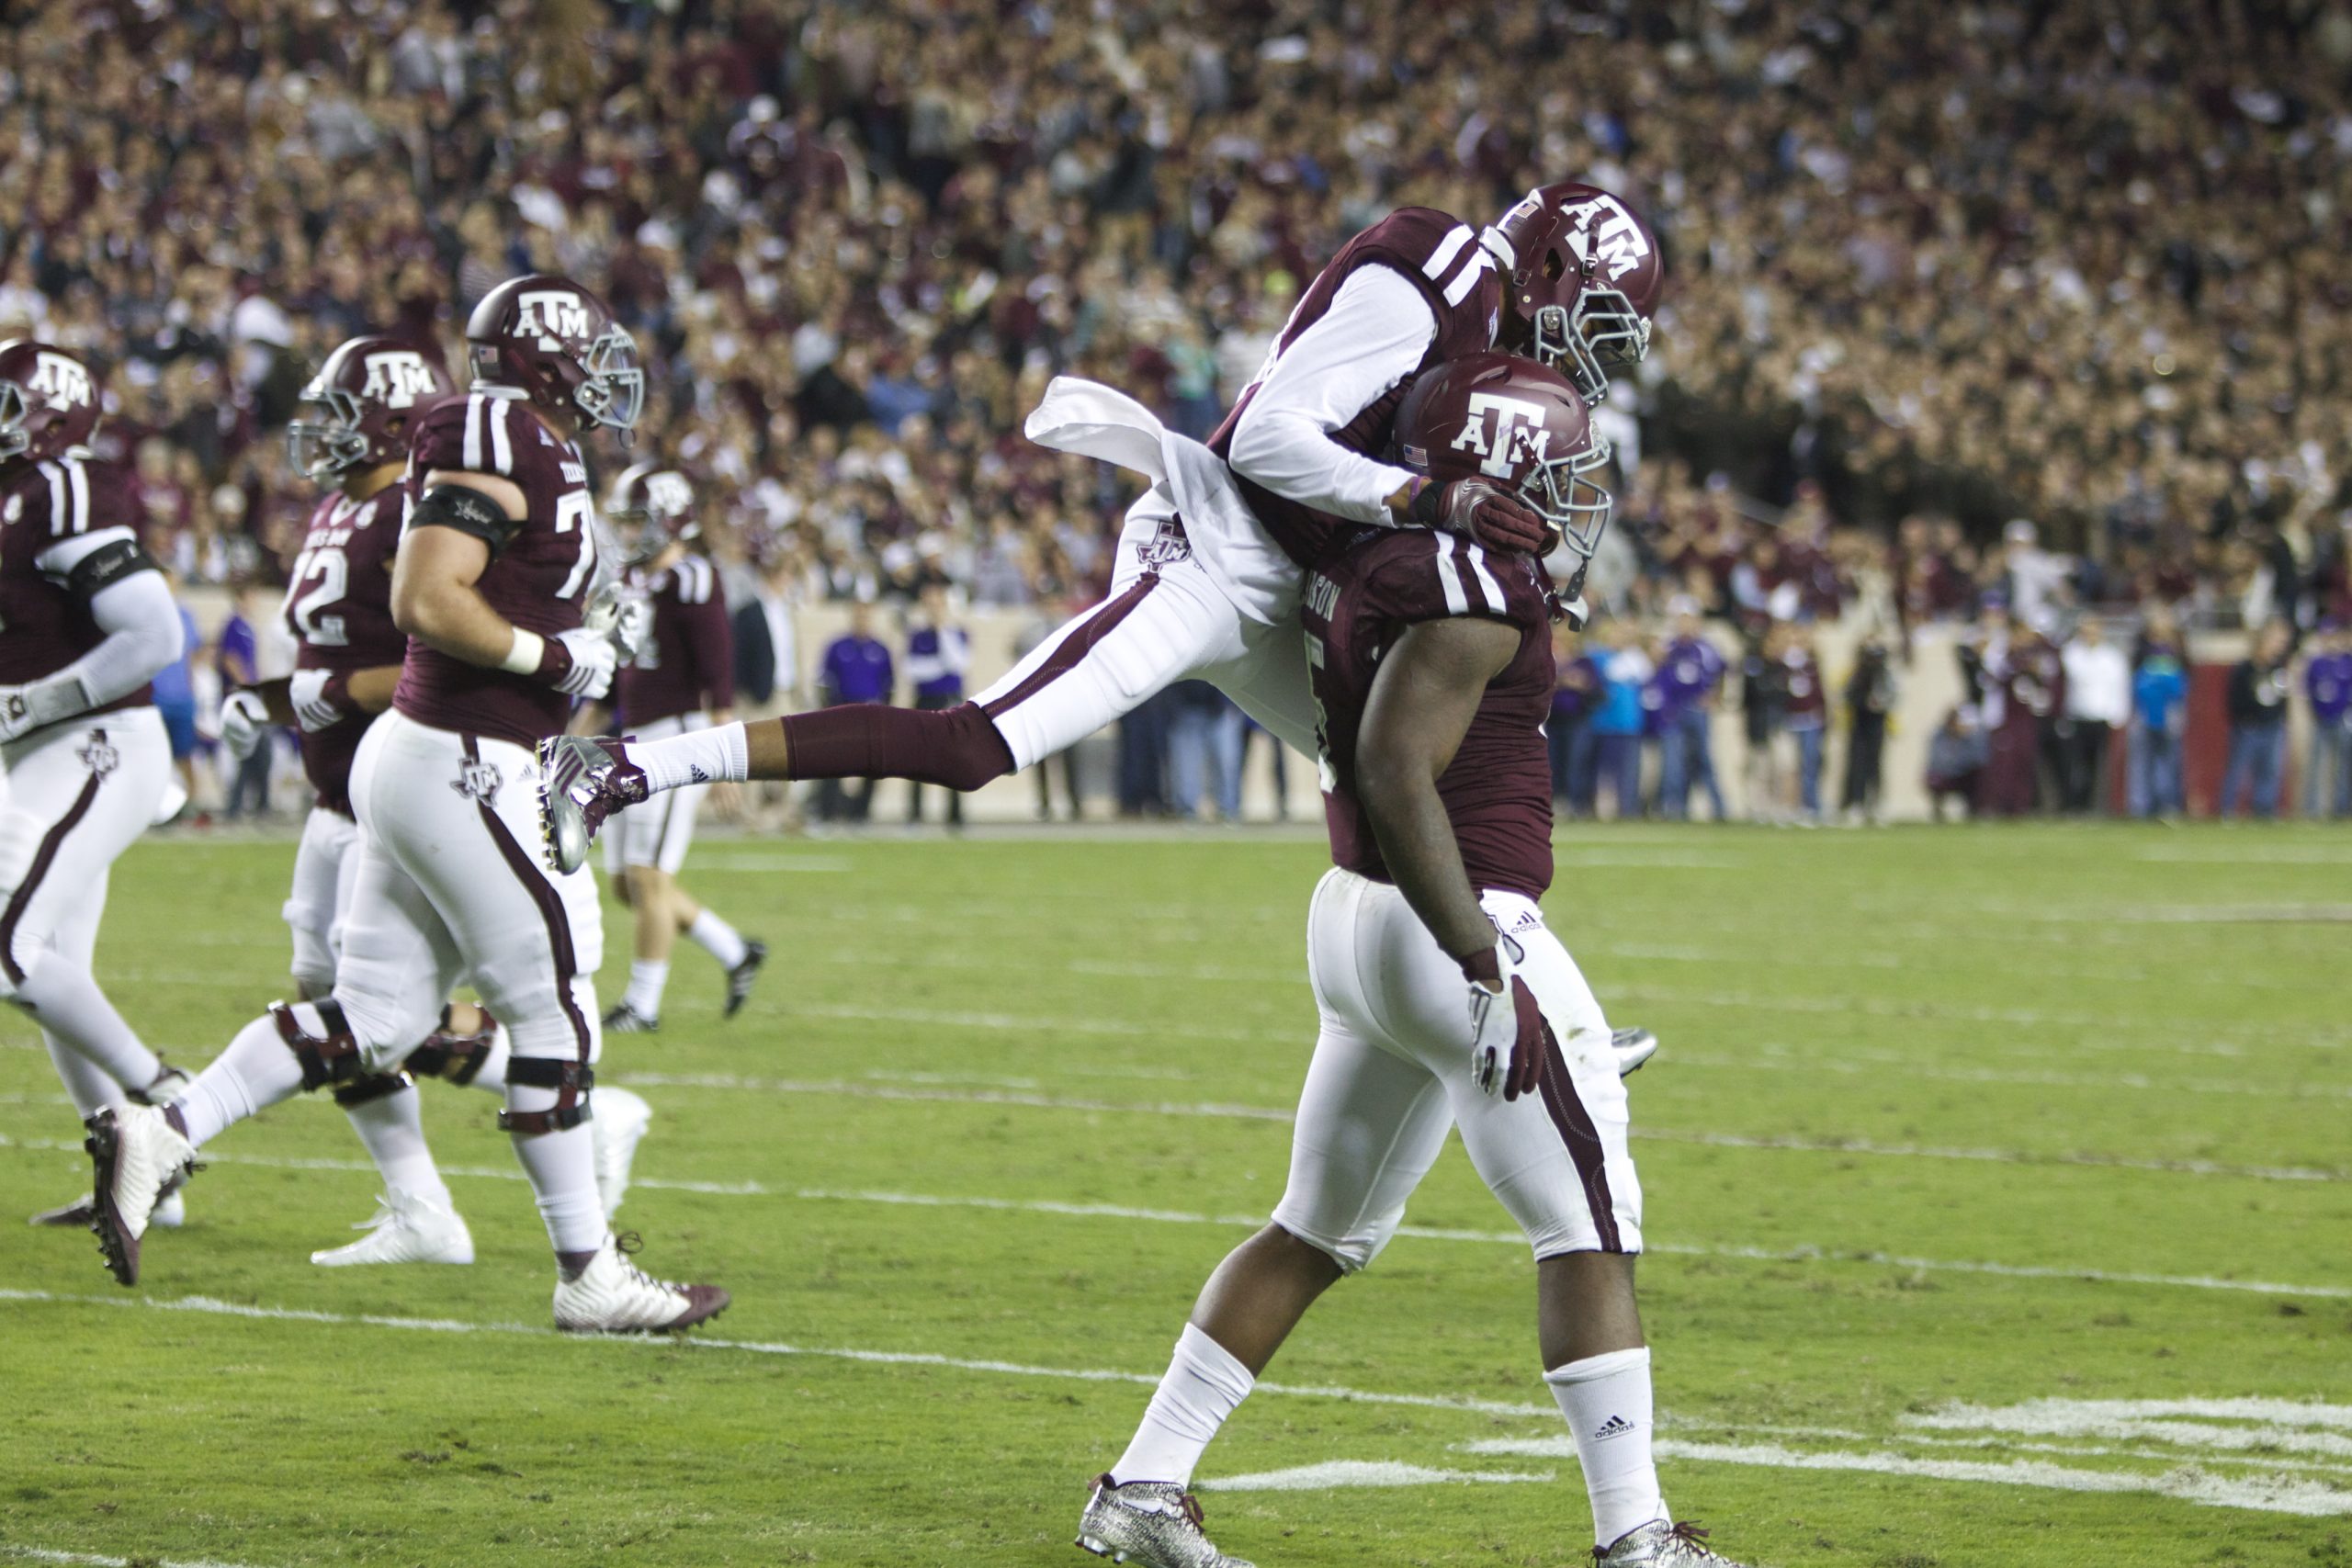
[2327,683]
[236,661]
[1764,703]
[1576,695]
[1619,719]
[2098,703]
[939,652]
[2258,726]
[1807,716]
[2029,690]
[1690,673]
[1955,760]
[2152,785]
[1205,733]
[1871,694]
[856,669]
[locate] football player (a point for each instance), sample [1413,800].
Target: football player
[362,407]
[496,564]
[86,622]
[682,680]
[1445,1000]
[1207,584]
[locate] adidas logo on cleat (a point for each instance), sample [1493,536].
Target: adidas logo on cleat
[1615,1426]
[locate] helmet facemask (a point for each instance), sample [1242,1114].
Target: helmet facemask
[634,530]
[612,391]
[325,450]
[14,439]
[1563,494]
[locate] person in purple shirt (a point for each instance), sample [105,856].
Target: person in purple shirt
[2327,683]
[1690,673]
[856,669]
[938,653]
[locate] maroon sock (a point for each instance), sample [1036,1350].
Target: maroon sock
[571,1264]
[956,747]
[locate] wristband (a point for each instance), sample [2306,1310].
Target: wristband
[1482,968]
[528,652]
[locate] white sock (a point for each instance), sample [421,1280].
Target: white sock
[91,1087]
[1607,1401]
[1205,1384]
[392,1127]
[254,1073]
[646,978]
[696,757]
[562,1169]
[65,1002]
[719,939]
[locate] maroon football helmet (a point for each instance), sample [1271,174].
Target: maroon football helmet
[1518,425]
[1582,277]
[367,396]
[650,506]
[558,343]
[49,400]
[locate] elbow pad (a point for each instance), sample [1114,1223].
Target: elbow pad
[468,512]
[105,566]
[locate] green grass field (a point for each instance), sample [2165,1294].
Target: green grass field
[1997,1188]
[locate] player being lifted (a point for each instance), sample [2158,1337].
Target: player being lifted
[1207,574]
[496,564]
[680,683]
[1445,1000]
[363,406]
[86,622]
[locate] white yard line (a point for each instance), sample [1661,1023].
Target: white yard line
[1334,1474]
[1426,1233]
[100,1560]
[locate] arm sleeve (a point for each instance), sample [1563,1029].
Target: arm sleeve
[142,623]
[1375,334]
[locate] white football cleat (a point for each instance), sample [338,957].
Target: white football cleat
[613,1295]
[171,1213]
[1660,1544]
[135,1154]
[1156,1524]
[619,1126]
[406,1228]
[1633,1047]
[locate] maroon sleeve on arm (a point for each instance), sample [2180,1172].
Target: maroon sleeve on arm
[956,747]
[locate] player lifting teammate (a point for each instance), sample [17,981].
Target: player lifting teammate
[86,622]
[497,561]
[1445,1000]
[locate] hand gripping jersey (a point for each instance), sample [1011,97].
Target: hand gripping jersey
[1441,257]
[540,581]
[1498,791]
[339,608]
[49,511]
[689,665]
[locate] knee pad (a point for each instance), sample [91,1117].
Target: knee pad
[457,1057]
[370,1086]
[328,1053]
[571,1080]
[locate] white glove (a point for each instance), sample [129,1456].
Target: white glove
[1507,1032]
[244,720]
[41,703]
[315,705]
[624,613]
[589,658]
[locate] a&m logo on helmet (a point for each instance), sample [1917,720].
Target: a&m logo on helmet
[1604,233]
[397,378]
[1520,434]
[552,315]
[668,494]
[61,380]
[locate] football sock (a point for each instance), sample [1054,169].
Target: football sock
[254,1073]
[646,979]
[91,1087]
[1607,1401]
[719,939]
[1205,1384]
[562,1169]
[696,757]
[392,1128]
[64,1000]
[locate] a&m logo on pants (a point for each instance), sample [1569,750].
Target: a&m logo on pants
[478,781]
[99,756]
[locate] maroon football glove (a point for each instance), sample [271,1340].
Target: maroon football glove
[1481,511]
[1508,1043]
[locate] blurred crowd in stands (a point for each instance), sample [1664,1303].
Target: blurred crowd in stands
[1932,268]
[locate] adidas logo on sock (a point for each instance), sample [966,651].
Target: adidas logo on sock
[699,776]
[1615,1426]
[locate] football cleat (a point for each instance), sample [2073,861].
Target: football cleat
[1156,1523]
[619,1126]
[740,978]
[624,1018]
[406,1229]
[170,1213]
[136,1156]
[613,1295]
[581,781]
[1633,1047]
[1661,1545]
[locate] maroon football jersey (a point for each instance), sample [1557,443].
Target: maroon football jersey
[1498,790]
[540,581]
[339,608]
[689,665]
[1441,257]
[45,508]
